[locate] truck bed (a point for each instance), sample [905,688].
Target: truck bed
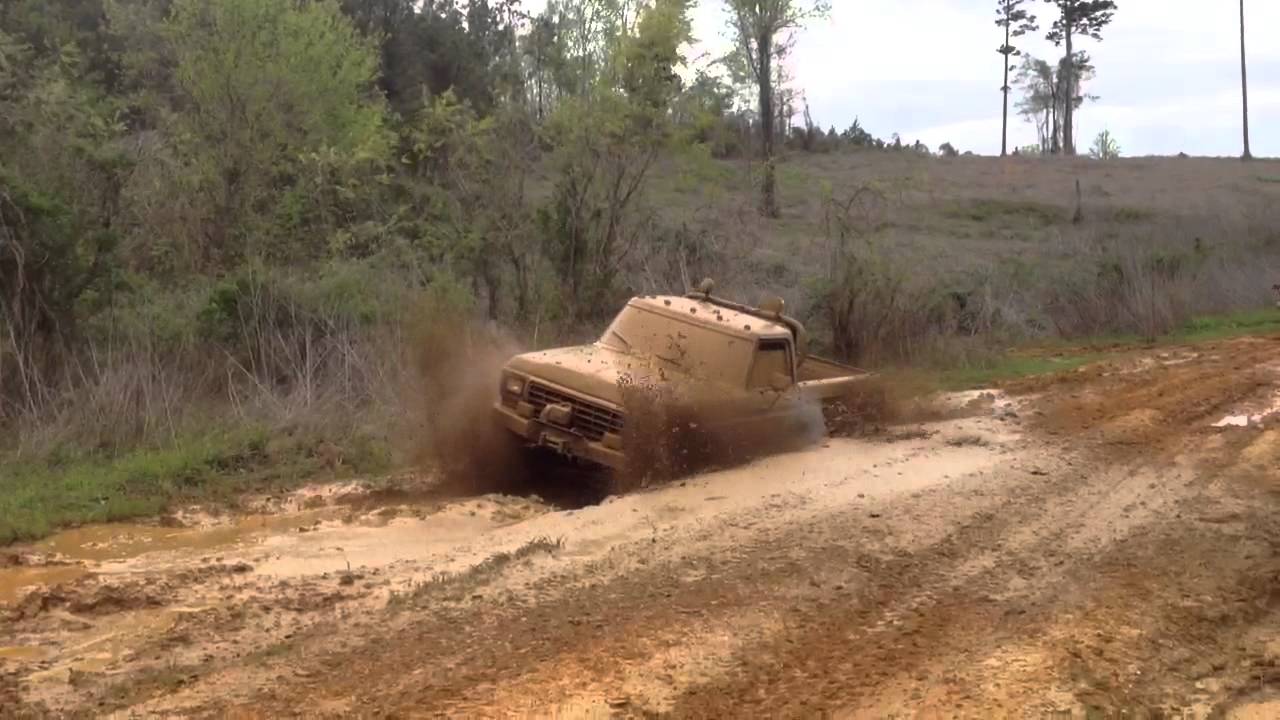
[821,379]
[816,368]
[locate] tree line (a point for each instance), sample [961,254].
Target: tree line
[1053,91]
[156,151]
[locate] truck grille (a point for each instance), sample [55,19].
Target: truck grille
[589,419]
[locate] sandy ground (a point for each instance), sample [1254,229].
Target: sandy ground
[1071,546]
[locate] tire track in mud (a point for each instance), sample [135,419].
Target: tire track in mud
[935,648]
[918,608]
[665,581]
[899,600]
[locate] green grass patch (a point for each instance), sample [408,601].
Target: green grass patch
[1011,367]
[1062,355]
[1202,328]
[1131,215]
[39,497]
[1218,327]
[989,210]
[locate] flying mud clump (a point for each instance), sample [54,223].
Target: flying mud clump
[880,401]
[669,435]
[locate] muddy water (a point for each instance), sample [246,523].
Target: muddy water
[180,602]
[293,544]
[109,640]
[97,548]
[15,581]
[123,541]
[308,544]
[23,653]
[373,542]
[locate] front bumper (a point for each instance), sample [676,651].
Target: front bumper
[538,433]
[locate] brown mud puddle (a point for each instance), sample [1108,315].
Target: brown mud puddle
[16,581]
[289,544]
[89,605]
[23,653]
[78,552]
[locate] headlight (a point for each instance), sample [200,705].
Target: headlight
[513,385]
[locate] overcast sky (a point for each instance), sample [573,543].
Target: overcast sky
[1168,73]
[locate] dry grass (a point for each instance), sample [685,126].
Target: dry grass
[891,256]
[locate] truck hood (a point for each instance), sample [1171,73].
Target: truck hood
[591,370]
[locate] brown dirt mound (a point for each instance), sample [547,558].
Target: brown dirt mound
[1150,406]
[91,596]
[103,600]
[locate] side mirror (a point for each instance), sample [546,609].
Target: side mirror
[780,381]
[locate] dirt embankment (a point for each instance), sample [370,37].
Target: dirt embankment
[1106,539]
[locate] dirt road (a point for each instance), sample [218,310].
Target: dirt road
[1107,539]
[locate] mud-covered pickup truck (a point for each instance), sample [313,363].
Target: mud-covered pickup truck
[730,370]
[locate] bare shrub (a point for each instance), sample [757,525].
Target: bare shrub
[253,351]
[1154,280]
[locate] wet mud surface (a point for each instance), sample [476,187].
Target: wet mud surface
[1093,542]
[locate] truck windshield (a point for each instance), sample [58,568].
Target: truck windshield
[693,349]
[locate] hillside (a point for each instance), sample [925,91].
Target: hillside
[1158,239]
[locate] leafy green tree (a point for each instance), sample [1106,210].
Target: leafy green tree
[1016,22]
[1105,147]
[397,27]
[540,49]
[49,26]
[1046,95]
[61,172]
[589,34]
[647,61]
[857,136]
[261,84]
[605,144]
[1076,17]
[761,30]
[479,219]
[705,110]
[428,48]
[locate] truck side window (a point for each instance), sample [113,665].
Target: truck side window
[773,357]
